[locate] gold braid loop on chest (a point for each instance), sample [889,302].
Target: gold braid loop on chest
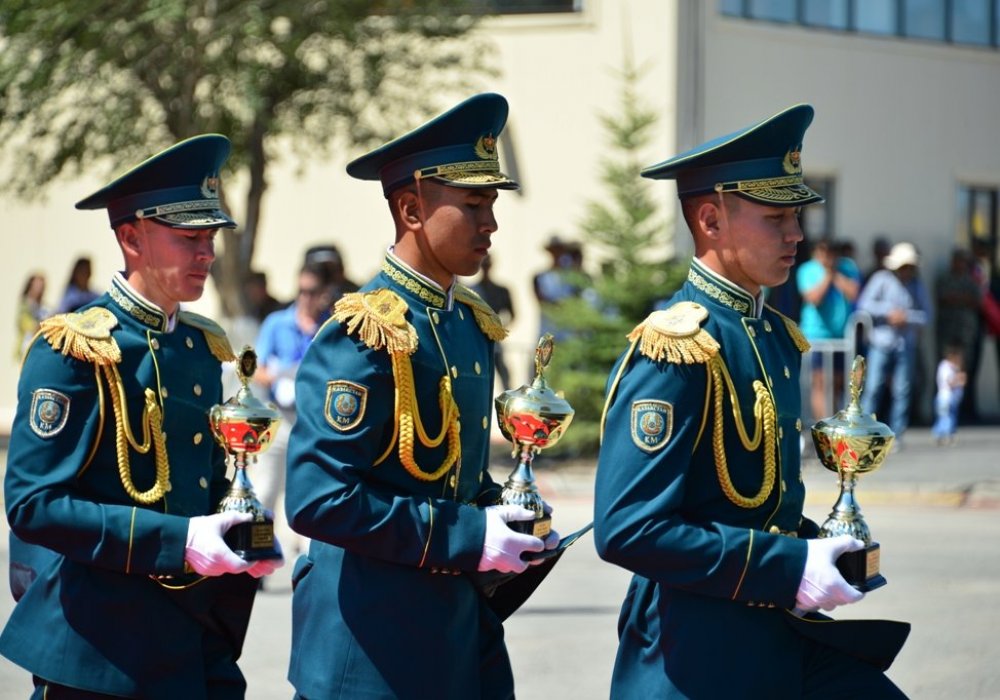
[765,429]
[152,438]
[378,318]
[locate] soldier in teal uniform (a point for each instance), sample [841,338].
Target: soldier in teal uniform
[699,491]
[387,467]
[127,586]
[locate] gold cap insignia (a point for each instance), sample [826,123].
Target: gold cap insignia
[486,147]
[792,164]
[210,187]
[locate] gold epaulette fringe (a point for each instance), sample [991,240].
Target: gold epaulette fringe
[486,318]
[85,336]
[215,336]
[379,317]
[676,335]
[794,331]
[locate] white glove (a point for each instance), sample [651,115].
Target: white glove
[206,551]
[503,547]
[822,586]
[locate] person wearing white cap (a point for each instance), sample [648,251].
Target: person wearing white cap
[899,306]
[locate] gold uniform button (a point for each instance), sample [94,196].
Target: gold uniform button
[163,392]
[478,368]
[198,437]
[203,482]
[461,315]
[784,486]
[434,317]
[454,371]
[486,422]
[480,477]
[155,344]
[767,326]
[781,432]
[452,481]
[774,530]
[770,382]
[197,389]
[798,424]
[788,373]
[751,331]
[189,342]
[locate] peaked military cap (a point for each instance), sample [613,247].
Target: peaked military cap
[178,187]
[458,148]
[761,162]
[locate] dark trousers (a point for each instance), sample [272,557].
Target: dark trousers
[830,674]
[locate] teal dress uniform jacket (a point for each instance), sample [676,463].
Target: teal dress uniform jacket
[381,606]
[685,498]
[95,618]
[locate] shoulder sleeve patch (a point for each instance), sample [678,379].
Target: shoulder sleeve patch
[215,336]
[793,330]
[378,318]
[486,318]
[345,404]
[85,335]
[49,412]
[652,424]
[675,335]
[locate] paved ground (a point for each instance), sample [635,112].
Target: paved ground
[934,511]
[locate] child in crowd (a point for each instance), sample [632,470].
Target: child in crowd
[950,387]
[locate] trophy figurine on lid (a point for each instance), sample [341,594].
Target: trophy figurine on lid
[532,418]
[852,443]
[244,426]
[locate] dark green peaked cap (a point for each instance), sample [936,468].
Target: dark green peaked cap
[458,148]
[761,162]
[178,187]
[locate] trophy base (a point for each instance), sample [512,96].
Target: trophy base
[252,541]
[539,527]
[860,568]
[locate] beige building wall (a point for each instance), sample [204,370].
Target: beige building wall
[559,72]
[899,124]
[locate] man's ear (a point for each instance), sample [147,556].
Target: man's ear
[408,209]
[709,220]
[129,239]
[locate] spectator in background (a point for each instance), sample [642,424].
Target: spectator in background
[330,259]
[554,284]
[260,303]
[829,286]
[78,292]
[950,381]
[31,312]
[899,309]
[281,344]
[498,297]
[958,322]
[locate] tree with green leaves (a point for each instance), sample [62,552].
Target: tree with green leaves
[628,235]
[110,81]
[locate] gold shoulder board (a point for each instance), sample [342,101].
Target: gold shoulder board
[486,318]
[793,330]
[676,335]
[84,335]
[379,319]
[215,336]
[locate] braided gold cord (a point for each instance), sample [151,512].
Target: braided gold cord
[410,425]
[152,421]
[765,421]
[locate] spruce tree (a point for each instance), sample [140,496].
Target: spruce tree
[626,232]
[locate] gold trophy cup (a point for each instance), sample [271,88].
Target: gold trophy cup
[852,443]
[532,418]
[244,426]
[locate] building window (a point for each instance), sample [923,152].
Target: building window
[969,22]
[817,219]
[831,14]
[977,217]
[525,7]
[876,16]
